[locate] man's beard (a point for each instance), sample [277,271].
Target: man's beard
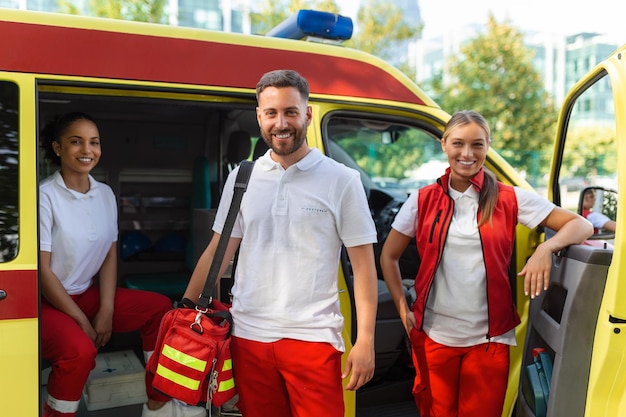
[288,149]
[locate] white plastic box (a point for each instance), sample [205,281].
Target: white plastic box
[117,380]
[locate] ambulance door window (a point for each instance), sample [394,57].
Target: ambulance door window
[393,157]
[589,156]
[9,141]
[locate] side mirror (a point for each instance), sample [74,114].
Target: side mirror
[599,206]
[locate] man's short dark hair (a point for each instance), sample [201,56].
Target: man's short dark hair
[283,79]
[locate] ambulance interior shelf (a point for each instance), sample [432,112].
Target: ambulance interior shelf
[154,215]
[172,194]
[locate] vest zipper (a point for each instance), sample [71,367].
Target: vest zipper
[432,229]
[439,252]
[482,248]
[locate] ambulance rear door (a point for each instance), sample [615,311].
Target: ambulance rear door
[19,299]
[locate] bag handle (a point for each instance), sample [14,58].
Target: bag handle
[241,183]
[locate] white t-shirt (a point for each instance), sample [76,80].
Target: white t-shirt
[77,229]
[456,311]
[293,223]
[598,220]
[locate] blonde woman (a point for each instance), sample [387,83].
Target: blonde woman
[462,322]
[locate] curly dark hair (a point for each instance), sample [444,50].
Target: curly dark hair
[54,129]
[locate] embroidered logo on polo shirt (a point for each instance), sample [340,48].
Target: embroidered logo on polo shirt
[314,210]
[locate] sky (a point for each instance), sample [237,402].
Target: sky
[565,17]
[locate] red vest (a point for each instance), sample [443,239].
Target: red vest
[435,209]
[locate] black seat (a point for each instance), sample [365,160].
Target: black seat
[237,149]
[260,147]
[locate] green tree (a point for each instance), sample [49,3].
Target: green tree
[591,151]
[146,10]
[494,75]
[138,10]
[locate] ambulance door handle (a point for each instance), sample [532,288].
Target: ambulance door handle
[3,294]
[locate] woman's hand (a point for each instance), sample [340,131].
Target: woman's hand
[87,328]
[536,272]
[409,321]
[571,229]
[103,327]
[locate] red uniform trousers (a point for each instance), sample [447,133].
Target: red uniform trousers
[459,381]
[287,378]
[73,353]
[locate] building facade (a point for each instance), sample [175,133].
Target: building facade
[224,15]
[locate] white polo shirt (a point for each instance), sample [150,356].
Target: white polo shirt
[292,224]
[77,229]
[456,311]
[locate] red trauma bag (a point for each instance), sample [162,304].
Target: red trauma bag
[192,361]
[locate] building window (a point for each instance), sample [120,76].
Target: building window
[10,4]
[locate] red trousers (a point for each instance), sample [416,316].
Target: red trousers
[459,381]
[287,378]
[73,353]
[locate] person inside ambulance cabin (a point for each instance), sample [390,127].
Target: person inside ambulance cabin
[463,320]
[81,304]
[598,220]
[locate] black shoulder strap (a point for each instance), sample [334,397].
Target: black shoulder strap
[241,183]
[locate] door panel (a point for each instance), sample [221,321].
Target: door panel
[562,321]
[19,299]
[581,320]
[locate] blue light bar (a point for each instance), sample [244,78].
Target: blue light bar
[313,23]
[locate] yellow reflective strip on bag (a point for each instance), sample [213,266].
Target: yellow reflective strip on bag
[226,385]
[228,365]
[177,378]
[183,358]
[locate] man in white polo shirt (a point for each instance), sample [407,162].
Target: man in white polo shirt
[300,207]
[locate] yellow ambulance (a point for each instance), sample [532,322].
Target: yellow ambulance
[176,111]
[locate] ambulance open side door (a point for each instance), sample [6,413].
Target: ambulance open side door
[574,361]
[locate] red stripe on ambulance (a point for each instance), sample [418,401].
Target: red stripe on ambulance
[124,56]
[21,294]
